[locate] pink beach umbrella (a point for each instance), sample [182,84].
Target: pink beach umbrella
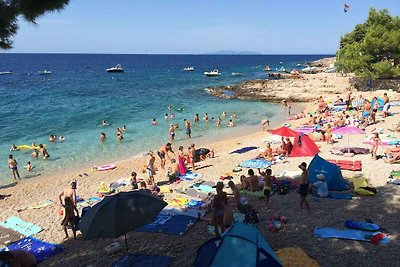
[348,130]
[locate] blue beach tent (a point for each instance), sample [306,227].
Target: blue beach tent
[243,245]
[332,172]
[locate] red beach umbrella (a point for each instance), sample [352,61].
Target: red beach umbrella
[284,131]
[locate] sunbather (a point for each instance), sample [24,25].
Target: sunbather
[393,159]
[267,154]
[70,218]
[286,148]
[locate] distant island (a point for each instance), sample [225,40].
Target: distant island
[232,52]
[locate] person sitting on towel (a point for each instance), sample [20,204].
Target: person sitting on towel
[286,148]
[321,186]
[173,171]
[267,154]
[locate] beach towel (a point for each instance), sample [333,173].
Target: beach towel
[8,236]
[203,188]
[243,150]
[89,202]
[358,235]
[365,226]
[195,204]
[255,163]
[395,173]
[176,225]
[190,176]
[178,201]
[169,210]
[38,248]
[355,150]
[25,228]
[194,193]
[37,206]
[139,260]
[336,195]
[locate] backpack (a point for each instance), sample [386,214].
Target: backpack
[251,217]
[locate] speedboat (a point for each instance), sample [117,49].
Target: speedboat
[117,68]
[5,72]
[212,73]
[189,68]
[331,69]
[44,72]
[236,74]
[267,68]
[309,69]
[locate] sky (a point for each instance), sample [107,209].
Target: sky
[195,26]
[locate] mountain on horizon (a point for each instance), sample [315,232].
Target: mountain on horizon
[232,52]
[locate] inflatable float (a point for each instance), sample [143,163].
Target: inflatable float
[107,167]
[22,147]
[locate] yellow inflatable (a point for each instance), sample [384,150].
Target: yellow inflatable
[22,147]
[359,182]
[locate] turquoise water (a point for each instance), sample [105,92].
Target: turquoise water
[79,94]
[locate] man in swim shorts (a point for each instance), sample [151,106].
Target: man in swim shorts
[150,168]
[12,164]
[303,186]
[386,105]
[188,128]
[163,153]
[172,132]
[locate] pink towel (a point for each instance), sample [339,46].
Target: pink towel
[182,166]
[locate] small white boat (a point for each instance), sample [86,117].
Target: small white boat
[267,68]
[309,69]
[212,73]
[331,69]
[117,68]
[189,68]
[44,72]
[236,74]
[5,72]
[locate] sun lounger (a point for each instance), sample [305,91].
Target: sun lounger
[38,248]
[139,260]
[349,165]
[25,228]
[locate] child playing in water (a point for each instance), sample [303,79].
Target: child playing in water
[70,218]
[28,167]
[35,153]
[44,152]
[375,143]
[103,137]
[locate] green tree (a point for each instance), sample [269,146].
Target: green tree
[372,49]
[13,10]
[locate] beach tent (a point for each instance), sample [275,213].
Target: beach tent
[303,146]
[332,172]
[241,245]
[284,131]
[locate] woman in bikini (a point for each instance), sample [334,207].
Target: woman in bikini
[375,143]
[70,217]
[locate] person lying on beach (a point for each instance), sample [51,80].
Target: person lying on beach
[235,193]
[35,153]
[71,217]
[13,166]
[339,122]
[163,154]
[70,193]
[173,171]
[44,152]
[133,181]
[14,148]
[395,158]
[103,137]
[311,120]
[285,148]
[267,154]
[206,153]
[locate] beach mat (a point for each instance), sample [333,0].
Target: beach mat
[8,236]
[167,224]
[335,195]
[243,150]
[89,202]
[38,248]
[195,204]
[395,173]
[168,210]
[357,235]
[139,260]
[203,188]
[37,206]
[295,257]
[190,176]
[25,228]
[196,194]
[365,226]
[255,163]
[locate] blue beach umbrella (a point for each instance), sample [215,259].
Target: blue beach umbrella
[119,214]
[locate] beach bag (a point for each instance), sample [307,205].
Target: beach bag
[251,217]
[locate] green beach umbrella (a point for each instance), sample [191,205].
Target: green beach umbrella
[119,214]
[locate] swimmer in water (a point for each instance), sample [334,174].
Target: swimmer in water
[154,122]
[219,122]
[169,107]
[61,138]
[28,167]
[234,116]
[172,132]
[104,123]
[196,118]
[103,137]
[231,123]
[119,134]
[44,152]
[52,138]
[205,118]
[223,114]
[124,128]
[14,148]
[172,116]
[265,124]
[166,116]
[35,153]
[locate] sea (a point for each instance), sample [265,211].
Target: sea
[79,94]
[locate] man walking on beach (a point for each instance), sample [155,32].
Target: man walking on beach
[303,186]
[188,128]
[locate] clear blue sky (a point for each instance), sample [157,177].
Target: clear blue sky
[196,26]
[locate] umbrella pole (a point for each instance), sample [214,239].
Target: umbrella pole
[126,243]
[348,144]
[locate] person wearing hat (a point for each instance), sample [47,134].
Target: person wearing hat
[303,186]
[69,192]
[321,187]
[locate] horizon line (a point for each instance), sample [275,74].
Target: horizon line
[172,54]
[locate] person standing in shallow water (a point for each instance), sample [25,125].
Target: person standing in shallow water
[188,127]
[303,186]
[13,165]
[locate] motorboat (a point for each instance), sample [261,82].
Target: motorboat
[309,69]
[117,68]
[44,72]
[189,68]
[236,74]
[267,68]
[331,69]
[5,72]
[212,73]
